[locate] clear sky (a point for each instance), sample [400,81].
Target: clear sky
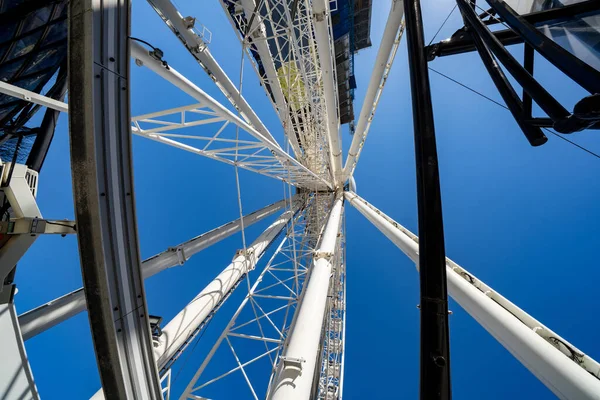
[524,220]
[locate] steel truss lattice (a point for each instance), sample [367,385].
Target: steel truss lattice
[334,329]
[292,50]
[187,128]
[257,332]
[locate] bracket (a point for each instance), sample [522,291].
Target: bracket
[323,254]
[180,252]
[293,363]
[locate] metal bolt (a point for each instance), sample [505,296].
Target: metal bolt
[439,361]
[111,59]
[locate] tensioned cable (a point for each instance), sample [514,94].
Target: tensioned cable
[239,197]
[468,88]
[443,23]
[189,353]
[235,164]
[506,108]
[452,12]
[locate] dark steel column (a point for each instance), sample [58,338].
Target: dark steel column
[541,96]
[533,134]
[435,349]
[528,60]
[461,42]
[586,76]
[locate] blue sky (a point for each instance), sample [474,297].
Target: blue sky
[522,219]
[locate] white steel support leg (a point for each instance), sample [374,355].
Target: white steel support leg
[383,63]
[565,370]
[295,372]
[176,333]
[46,316]
[326,53]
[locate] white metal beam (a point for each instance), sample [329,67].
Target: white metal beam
[172,127]
[293,50]
[170,74]
[288,169]
[184,30]
[383,63]
[46,316]
[138,52]
[32,97]
[565,370]
[179,330]
[322,25]
[295,371]
[292,171]
[261,323]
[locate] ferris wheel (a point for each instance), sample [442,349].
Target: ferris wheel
[286,339]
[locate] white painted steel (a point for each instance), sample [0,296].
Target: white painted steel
[383,63]
[46,316]
[184,324]
[288,170]
[296,369]
[282,279]
[285,160]
[199,50]
[32,97]
[322,24]
[16,380]
[171,127]
[538,348]
[21,197]
[140,53]
[259,38]
[332,347]
[294,52]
